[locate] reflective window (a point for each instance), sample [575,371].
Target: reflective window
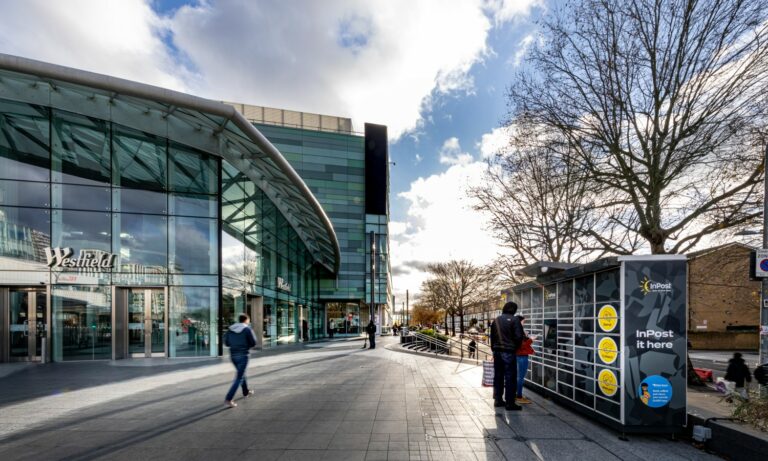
[192,171]
[81,197]
[205,206]
[22,193]
[232,256]
[24,141]
[140,160]
[140,201]
[193,321]
[142,246]
[24,234]
[82,322]
[194,245]
[81,153]
[82,230]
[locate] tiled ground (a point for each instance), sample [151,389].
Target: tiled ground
[333,403]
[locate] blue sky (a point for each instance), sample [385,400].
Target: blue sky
[434,71]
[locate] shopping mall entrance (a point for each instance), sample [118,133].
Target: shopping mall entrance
[346,319]
[141,322]
[24,324]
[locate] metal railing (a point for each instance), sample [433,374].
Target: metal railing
[460,347]
[464,348]
[435,345]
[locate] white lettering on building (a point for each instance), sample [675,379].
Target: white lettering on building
[87,259]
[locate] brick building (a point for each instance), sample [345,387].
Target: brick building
[723,310]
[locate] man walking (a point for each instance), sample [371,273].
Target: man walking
[371,330]
[240,338]
[506,337]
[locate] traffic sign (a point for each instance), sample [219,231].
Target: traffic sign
[761,263]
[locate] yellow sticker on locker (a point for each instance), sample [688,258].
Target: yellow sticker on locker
[607,318]
[608,382]
[607,350]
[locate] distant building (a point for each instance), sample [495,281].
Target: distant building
[723,304]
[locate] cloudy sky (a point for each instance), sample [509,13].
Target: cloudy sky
[433,71]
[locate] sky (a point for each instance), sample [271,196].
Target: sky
[434,71]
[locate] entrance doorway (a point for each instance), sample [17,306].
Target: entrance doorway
[147,322]
[24,323]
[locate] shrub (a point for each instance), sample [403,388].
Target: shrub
[754,412]
[431,333]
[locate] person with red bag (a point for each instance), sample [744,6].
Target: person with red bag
[525,350]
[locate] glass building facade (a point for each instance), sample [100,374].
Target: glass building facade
[141,227]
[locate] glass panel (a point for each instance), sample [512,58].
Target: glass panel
[193,318]
[82,322]
[192,171]
[81,153]
[81,197]
[286,325]
[41,327]
[21,193]
[136,313]
[232,256]
[140,160]
[157,316]
[82,230]
[19,324]
[194,245]
[270,323]
[24,141]
[140,201]
[24,235]
[205,206]
[142,246]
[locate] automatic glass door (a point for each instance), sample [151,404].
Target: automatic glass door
[25,323]
[147,324]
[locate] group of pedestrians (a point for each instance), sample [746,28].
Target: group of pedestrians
[511,348]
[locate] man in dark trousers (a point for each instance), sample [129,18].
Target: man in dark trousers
[371,330]
[240,338]
[506,336]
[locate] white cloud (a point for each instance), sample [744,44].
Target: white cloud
[379,61]
[494,142]
[441,225]
[524,44]
[120,38]
[508,10]
[451,154]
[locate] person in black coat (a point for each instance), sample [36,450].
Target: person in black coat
[371,330]
[738,372]
[506,337]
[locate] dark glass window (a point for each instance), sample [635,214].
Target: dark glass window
[143,243]
[24,234]
[24,141]
[194,245]
[81,197]
[82,230]
[22,193]
[140,201]
[140,160]
[192,171]
[81,153]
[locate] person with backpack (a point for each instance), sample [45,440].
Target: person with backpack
[240,338]
[523,353]
[738,372]
[506,337]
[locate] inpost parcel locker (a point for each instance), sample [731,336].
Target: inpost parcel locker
[611,339]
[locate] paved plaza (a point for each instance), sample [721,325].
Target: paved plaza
[331,401]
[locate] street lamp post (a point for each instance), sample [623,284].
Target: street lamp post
[764,283]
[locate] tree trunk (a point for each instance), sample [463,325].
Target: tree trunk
[461,321]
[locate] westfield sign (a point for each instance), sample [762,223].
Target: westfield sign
[86,259]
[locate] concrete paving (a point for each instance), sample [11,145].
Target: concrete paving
[314,403]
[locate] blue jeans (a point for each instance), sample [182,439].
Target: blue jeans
[241,364]
[504,376]
[522,369]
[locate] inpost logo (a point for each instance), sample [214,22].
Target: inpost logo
[649,286]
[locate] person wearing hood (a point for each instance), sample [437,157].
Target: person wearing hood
[240,338]
[506,337]
[738,372]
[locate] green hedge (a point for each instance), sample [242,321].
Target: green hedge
[431,333]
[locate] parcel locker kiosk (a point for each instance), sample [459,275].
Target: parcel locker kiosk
[610,339]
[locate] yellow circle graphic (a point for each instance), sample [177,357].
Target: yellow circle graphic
[607,382]
[607,318]
[607,350]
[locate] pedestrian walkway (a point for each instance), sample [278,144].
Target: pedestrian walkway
[334,403]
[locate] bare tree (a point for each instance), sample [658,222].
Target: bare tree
[460,284]
[540,203]
[661,104]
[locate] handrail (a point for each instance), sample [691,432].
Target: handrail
[449,346]
[462,336]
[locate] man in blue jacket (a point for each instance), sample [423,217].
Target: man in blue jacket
[240,338]
[506,337]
